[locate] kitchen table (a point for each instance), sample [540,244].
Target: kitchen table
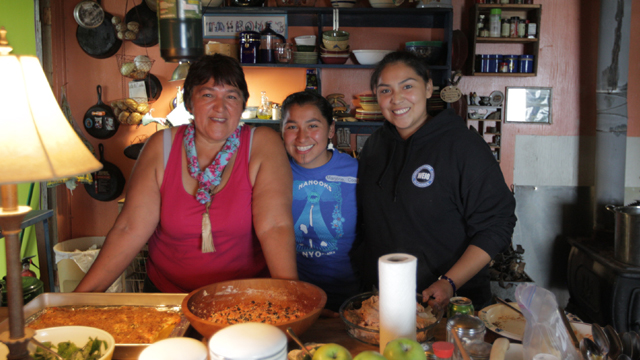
[325,330]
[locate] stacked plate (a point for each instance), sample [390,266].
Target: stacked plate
[305,57]
[369,109]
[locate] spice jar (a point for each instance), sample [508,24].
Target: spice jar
[514,26]
[494,23]
[521,28]
[505,28]
[469,328]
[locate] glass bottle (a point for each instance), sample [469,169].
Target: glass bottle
[481,24]
[264,111]
[506,28]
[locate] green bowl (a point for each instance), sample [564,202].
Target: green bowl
[335,35]
[306,48]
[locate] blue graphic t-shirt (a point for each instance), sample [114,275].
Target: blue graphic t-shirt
[324,213]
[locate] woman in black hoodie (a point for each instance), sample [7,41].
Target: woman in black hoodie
[429,187]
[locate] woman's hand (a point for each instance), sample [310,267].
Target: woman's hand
[441,291]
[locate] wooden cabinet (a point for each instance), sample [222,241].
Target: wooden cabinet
[487,121]
[504,45]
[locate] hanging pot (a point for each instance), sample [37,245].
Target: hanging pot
[100,42]
[89,14]
[100,121]
[108,183]
[626,247]
[148,20]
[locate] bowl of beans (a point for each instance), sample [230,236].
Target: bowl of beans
[279,302]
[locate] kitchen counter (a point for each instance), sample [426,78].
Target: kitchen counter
[325,330]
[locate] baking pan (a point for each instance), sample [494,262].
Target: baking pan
[122,351]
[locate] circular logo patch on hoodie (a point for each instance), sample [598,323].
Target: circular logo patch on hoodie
[423,176]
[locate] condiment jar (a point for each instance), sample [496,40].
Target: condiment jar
[469,329]
[249,46]
[268,41]
[248,341]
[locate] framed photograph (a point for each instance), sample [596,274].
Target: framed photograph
[229,26]
[528,105]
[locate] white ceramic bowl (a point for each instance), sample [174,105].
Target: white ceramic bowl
[305,40]
[175,348]
[79,335]
[250,112]
[385,3]
[370,57]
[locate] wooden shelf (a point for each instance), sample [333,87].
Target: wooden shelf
[505,40]
[506,74]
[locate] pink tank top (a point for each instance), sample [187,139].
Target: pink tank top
[176,263]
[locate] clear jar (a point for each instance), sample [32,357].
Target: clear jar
[469,329]
[513,29]
[494,23]
[531,30]
[522,28]
[264,111]
[481,24]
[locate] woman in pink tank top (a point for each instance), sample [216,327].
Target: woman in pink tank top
[212,199]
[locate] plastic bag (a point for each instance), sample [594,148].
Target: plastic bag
[544,332]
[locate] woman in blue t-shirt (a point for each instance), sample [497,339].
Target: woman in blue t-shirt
[324,197]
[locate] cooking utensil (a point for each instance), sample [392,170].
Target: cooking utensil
[600,338]
[46,349]
[108,183]
[499,349]
[336,20]
[88,14]
[508,305]
[100,42]
[626,246]
[148,20]
[463,352]
[615,344]
[590,350]
[100,121]
[295,338]
[628,340]
[567,325]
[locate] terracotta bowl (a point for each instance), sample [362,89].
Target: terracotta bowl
[324,50]
[200,303]
[334,59]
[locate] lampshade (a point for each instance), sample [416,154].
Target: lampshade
[180,73]
[37,143]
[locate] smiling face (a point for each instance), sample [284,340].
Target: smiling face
[402,96]
[306,134]
[216,109]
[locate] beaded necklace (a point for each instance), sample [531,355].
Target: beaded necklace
[209,179]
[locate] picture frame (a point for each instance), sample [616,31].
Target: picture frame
[229,26]
[528,105]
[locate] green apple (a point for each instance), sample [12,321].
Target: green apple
[369,355]
[404,349]
[332,352]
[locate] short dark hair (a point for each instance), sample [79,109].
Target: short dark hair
[410,59]
[308,98]
[223,69]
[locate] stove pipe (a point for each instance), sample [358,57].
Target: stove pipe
[611,106]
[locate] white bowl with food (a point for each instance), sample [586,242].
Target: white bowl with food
[305,40]
[79,336]
[370,57]
[360,316]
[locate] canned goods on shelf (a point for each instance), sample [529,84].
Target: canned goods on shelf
[512,63]
[525,64]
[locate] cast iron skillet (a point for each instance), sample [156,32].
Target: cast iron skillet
[100,42]
[153,86]
[108,183]
[148,20]
[100,121]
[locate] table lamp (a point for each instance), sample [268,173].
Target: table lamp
[37,144]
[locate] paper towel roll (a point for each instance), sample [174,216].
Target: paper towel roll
[397,284]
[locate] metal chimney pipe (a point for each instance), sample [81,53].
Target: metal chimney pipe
[611,106]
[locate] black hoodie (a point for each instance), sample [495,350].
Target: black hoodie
[431,196]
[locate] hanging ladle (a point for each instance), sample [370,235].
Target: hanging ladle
[336,20]
[615,344]
[590,350]
[600,338]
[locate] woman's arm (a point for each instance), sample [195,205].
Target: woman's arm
[469,264]
[271,204]
[135,224]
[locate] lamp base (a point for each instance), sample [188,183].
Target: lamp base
[18,347]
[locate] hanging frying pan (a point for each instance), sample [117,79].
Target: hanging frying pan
[148,20]
[100,121]
[89,14]
[108,183]
[100,42]
[153,87]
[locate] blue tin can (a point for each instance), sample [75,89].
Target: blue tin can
[526,64]
[512,63]
[249,46]
[494,63]
[482,63]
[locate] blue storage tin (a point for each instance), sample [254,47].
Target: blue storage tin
[482,63]
[512,63]
[526,64]
[494,63]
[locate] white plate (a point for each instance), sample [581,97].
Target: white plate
[496,98]
[506,322]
